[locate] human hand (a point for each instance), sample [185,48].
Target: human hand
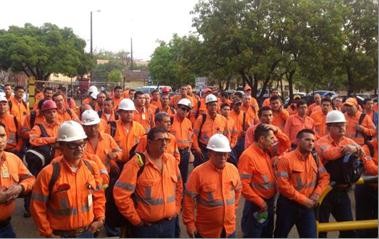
[350,149]
[309,203]
[96,226]
[191,232]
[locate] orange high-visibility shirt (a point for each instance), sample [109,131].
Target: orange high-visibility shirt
[169,110]
[279,118]
[314,108]
[250,113]
[233,132]
[182,130]
[158,192]
[156,103]
[26,127]
[300,178]
[367,124]
[127,136]
[172,147]
[145,118]
[319,119]
[13,129]
[241,124]
[75,201]
[370,163]
[328,149]
[13,171]
[257,175]
[292,109]
[67,114]
[116,102]
[214,195]
[210,127]
[19,109]
[51,130]
[266,102]
[105,145]
[295,123]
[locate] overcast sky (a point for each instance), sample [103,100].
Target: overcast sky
[146,21]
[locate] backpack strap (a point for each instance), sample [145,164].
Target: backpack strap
[361,118]
[33,116]
[16,124]
[54,176]
[89,166]
[10,105]
[141,162]
[43,131]
[202,123]
[113,126]
[100,113]
[370,148]
[243,121]
[69,112]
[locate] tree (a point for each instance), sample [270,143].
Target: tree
[41,51]
[114,76]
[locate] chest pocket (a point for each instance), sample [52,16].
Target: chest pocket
[297,172]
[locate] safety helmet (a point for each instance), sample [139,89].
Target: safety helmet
[185,102]
[90,117]
[70,131]
[91,89]
[335,116]
[165,90]
[3,98]
[219,143]
[126,104]
[207,90]
[94,94]
[210,98]
[48,105]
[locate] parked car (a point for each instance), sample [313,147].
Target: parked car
[150,88]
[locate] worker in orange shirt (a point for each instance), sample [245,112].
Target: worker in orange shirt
[195,100]
[46,94]
[14,140]
[273,93]
[242,122]
[143,115]
[301,179]
[205,126]
[35,117]
[280,115]
[337,103]
[91,97]
[149,190]
[155,99]
[250,109]
[316,106]
[297,122]
[68,199]
[15,180]
[8,91]
[101,97]
[366,195]
[183,93]
[107,114]
[165,106]
[233,132]
[182,130]
[358,127]
[292,108]
[117,96]
[258,184]
[162,119]
[368,109]
[265,117]
[331,149]
[212,194]
[128,131]
[63,113]
[17,106]
[152,108]
[252,101]
[203,105]
[319,117]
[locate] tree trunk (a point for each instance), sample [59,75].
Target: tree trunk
[290,83]
[349,81]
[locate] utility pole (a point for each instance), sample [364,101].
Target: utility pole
[131,54]
[91,41]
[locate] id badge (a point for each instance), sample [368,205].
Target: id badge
[143,116]
[4,172]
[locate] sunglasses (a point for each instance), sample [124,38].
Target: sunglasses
[184,109]
[74,146]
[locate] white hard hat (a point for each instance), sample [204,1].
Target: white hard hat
[94,94]
[219,143]
[210,98]
[91,89]
[186,102]
[335,116]
[126,104]
[90,117]
[3,98]
[70,131]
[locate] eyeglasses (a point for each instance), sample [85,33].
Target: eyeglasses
[161,140]
[184,109]
[74,146]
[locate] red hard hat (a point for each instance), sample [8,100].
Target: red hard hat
[165,90]
[48,105]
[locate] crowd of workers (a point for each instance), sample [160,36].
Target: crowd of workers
[131,151]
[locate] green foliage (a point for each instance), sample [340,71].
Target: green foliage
[311,44]
[40,51]
[115,76]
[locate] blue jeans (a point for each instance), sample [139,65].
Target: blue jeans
[86,234]
[163,228]
[366,207]
[7,231]
[183,165]
[337,203]
[251,228]
[290,213]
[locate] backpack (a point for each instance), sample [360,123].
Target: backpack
[365,137]
[112,214]
[56,173]
[345,170]
[37,157]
